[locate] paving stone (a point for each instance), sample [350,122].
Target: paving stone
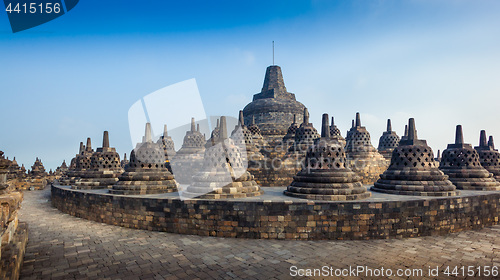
[65,247]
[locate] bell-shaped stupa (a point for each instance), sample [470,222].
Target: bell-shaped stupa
[336,134]
[289,138]
[167,143]
[243,138]
[79,164]
[189,158]
[146,172]
[488,156]
[461,163]
[124,161]
[362,157]
[224,173]
[105,167]
[413,170]
[305,136]
[388,141]
[325,175]
[273,108]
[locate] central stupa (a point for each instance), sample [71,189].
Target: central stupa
[274,107]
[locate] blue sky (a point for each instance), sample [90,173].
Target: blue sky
[74,77]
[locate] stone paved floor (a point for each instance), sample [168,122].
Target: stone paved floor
[64,247]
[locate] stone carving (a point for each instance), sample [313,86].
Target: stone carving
[214,136]
[14,171]
[405,135]
[336,134]
[388,141]
[146,173]
[79,164]
[461,163]
[13,234]
[189,158]
[124,161]
[104,168]
[413,170]
[224,172]
[362,157]
[4,165]
[349,133]
[37,169]
[243,138]
[305,136]
[488,156]
[325,175]
[167,143]
[273,108]
[438,156]
[62,170]
[289,138]
[37,176]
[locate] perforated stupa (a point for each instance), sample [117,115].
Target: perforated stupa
[461,163]
[488,156]
[189,158]
[388,141]
[146,172]
[325,175]
[224,173]
[413,170]
[362,157]
[105,167]
[305,135]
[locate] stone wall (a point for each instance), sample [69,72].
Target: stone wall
[13,235]
[410,217]
[368,168]
[277,168]
[27,184]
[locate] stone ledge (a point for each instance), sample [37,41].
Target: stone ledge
[275,216]
[13,253]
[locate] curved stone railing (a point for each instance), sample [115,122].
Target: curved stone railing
[382,216]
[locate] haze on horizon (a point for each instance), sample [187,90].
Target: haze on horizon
[74,77]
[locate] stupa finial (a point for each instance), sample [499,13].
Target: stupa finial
[490,142]
[358,120]
[193,127]
[412,131]
[89,144]
[105,139]
[325,127]
[165,131]
[459,136]
[241,122]
[147,134]
[198,127]
[223,128]
[406,131]
[306,116]
[294,118]
[352,124]
[482,139]
[333,122]
[82,147]
[389,125]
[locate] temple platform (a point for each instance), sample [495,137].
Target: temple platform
[276,216]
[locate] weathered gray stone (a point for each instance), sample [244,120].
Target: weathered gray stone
[461,163]
[413,170]
[325,175]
